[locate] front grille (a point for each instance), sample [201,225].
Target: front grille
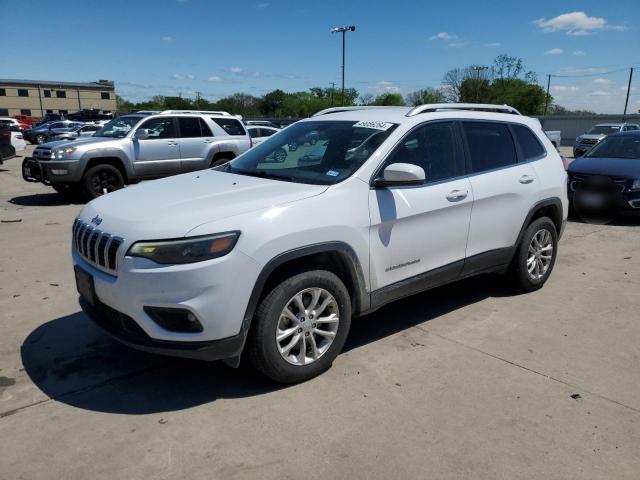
[95,246]
[43,153]
[578,178]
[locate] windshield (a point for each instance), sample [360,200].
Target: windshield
[619,146]
[118,127]
[320,152]
[603,129]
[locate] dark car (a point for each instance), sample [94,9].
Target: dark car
[6,149]
[41,133]
[606,181]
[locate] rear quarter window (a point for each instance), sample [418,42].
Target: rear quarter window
[530,146]
[230,125]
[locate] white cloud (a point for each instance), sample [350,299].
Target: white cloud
[167,38]
[554,51]
[443,36]
[214,78]
[493,44]
[564,88]
[579,53]
[599,93]
[624,89]
[235,70]
[263,5]
[575,23]
[190,76]
[458,44]
[177,76]
[602,81]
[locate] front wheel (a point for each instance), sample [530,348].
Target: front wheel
[300,327]
[40,139]
[536,255]
[102,179]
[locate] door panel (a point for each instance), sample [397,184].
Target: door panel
[415,230]
[196,141]
[159,154]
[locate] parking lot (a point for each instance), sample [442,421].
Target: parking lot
[465,381]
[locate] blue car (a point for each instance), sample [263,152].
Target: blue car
[607,179]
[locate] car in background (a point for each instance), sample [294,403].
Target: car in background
[7,150]
[259,134]
[41,133]
[587,141]
[86,130]
[25,121]
[136,147]
[90,115]
[262,123]
[6,122]
[555,136]
[607,179]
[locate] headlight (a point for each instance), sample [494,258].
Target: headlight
[65,152]
[186,250]
[636,184]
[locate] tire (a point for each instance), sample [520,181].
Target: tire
[101,177]
[264,351]
[280,155]
[40,139]
[216,162]
[522,278]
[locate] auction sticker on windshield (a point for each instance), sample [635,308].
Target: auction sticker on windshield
[374,124]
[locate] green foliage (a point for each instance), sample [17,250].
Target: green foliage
[390,99]
[426,95]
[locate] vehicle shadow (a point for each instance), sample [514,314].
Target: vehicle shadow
[51,199]
[74,362]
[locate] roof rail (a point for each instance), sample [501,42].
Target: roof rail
[347,109]
[203,112]
[478,107]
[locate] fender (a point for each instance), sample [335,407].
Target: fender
[109,152]
[548,202]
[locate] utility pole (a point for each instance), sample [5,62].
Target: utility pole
[333,89]
[626,102]
[478,69]
[546,101]
[198,100]
[344,31]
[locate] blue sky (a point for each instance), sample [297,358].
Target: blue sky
[221,47]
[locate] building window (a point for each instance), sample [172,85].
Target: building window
[49,111]
[63,112]
[105,95]
[3,92]
[47,93]
[4,112]
[25,111]
[61,94]
[23,92]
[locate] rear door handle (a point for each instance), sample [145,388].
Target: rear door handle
[457,195]
[172,142]
[208,140]
[526,179]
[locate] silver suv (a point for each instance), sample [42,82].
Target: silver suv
[137,147]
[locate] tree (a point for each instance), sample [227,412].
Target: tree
[389,99]
[272,103]
[426,95]
[123,105]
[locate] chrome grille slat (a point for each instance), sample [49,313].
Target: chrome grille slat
[95,246]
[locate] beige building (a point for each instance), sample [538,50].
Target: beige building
[37,98]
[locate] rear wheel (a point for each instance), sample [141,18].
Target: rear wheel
[536,255]
[102,179]
[216,162]
[40,139]
[300,327]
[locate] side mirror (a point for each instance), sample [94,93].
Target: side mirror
[400,175]
[141,134]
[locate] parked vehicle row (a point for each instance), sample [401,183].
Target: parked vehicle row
[595,134]
[400,200]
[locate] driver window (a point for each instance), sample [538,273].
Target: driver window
[432,147]
[159,127]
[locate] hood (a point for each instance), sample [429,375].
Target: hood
[612,167]
[173,206]
[593,136]
[80,141]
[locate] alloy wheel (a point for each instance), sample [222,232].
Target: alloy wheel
[307,326]
[540,254]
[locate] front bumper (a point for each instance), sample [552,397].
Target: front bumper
[216,291]
[50,171]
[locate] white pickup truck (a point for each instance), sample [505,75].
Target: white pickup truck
[555,136]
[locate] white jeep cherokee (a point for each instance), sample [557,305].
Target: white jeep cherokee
[273,259]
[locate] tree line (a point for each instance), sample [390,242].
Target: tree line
[505,81]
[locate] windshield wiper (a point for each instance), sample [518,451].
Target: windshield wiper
[261,174]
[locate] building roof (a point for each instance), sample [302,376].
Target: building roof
[102,84]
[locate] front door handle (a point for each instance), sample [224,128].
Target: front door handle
[525,179]
[457,195]
[172,143]
[208,140]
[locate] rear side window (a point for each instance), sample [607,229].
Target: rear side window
[490,145]
[189,127]
[230,125]
[529,144]
[254,132]
[204,128]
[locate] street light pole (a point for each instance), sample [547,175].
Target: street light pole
[478,69]
[626,102]
[344,31]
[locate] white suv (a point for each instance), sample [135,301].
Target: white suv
[272,259]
